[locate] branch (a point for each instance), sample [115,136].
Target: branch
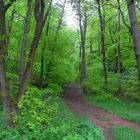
[8,5]
[47,13]
[129,28]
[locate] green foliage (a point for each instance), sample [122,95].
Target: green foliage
[53,89]
[76,129]
[106,97]
[37,108]
[95,79]
[130,86]
[124,133]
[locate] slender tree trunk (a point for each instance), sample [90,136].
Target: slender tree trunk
[24,42]
[58,27]
[83,29]
[118,48]
[43,52]
[10,22]
[42,64]
[3,79]
[29,67]
[135,32]
[102,29]
[99,44]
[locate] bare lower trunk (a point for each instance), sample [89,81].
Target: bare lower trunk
[24,42]
[42,64]
[135,32]
[43,52]
[40,21]
[118,49]
[58,27]
[3,79]
[83,30]
[29,67]
[102,29]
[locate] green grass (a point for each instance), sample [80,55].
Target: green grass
[124,133]
[127,111]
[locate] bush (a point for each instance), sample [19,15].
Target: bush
[106,97]
[36,109]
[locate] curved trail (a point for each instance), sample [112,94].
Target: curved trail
[73,98]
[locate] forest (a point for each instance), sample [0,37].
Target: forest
[69,70]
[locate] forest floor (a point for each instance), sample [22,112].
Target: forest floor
[72,96]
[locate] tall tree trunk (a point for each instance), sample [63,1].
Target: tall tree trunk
[118,48]
[10,22]
[58,27]
[3,79]
[24,42]
[99,43]
[83,29]
[43,52]
[40,21]
[135,32]
[102,29]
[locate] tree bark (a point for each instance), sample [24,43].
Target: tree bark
[102,30]
[3,78]
[40,21]
[83,29]
[58,27]
[135,32]
[118,48]
[24,42]
[43,52]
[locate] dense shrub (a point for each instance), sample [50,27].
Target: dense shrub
[36,108]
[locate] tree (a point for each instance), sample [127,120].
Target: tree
[3,45]
[118,48]
[83,29]
[102,31]
[135,32]
[24,42]
[40,19]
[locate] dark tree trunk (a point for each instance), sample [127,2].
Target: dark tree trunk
[83,29]
[99,44]
[24,42]
[118,48]
[102,30]
[40,21]
[58,27]
[43,53]
[10,22]
[3,79]
[135,32]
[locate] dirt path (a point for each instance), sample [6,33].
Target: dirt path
[73,98]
